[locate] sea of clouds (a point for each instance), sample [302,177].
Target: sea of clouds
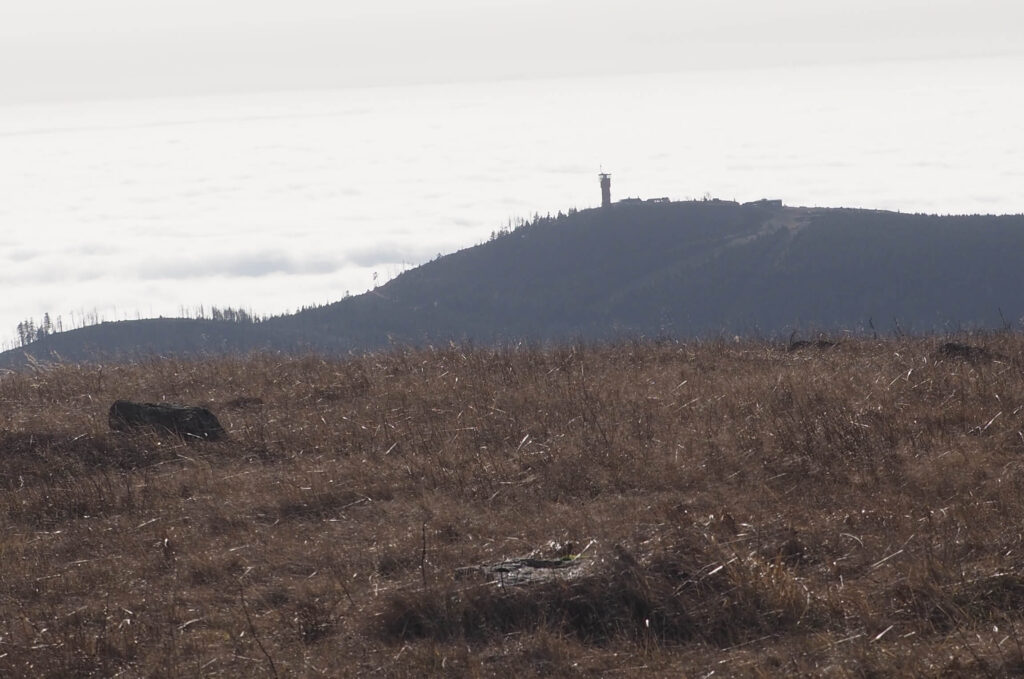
[271,202]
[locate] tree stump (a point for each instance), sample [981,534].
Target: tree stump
[188,422]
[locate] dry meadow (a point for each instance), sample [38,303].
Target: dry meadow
[647,508]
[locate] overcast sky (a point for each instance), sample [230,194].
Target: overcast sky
[71,49]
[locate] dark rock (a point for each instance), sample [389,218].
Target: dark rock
[965,352]
[806,344]
[185,421]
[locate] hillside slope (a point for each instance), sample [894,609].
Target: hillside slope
[683,269]
[697,268]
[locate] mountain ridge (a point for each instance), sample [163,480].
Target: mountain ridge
[683,269]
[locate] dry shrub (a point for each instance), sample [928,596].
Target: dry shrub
[690,592]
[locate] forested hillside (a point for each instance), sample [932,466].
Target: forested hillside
[683,269]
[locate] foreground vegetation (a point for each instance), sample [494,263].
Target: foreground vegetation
[727,508]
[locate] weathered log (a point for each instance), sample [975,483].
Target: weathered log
[185,421]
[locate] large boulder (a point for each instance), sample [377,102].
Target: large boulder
[188,422]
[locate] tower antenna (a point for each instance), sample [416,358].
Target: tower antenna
[606,188]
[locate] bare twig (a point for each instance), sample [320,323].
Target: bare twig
[252,630]
[423,557]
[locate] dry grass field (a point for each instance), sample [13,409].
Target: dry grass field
[704,509]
